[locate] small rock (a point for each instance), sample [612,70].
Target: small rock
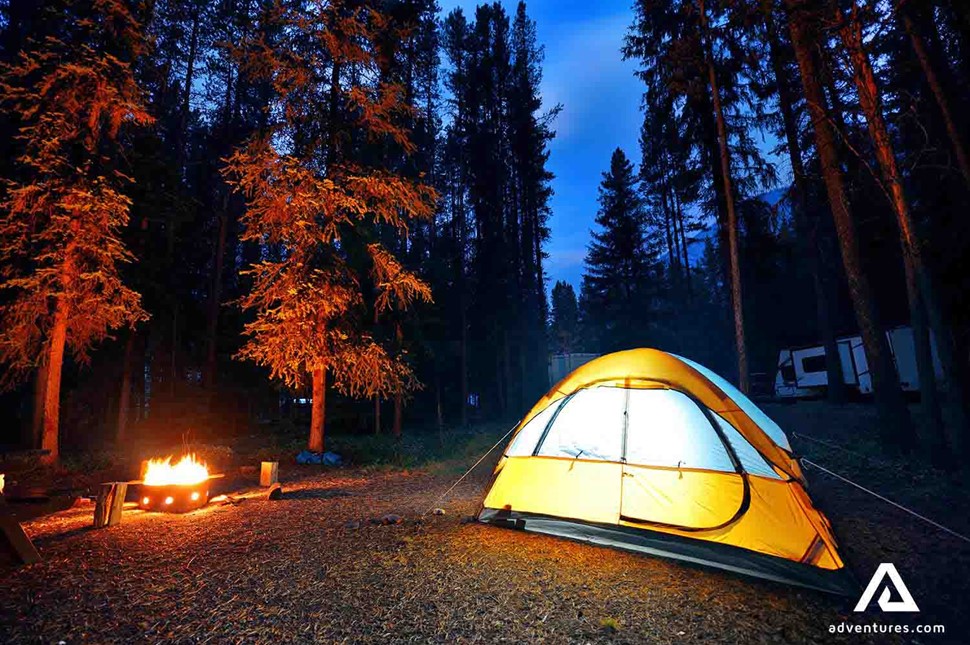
[352,525]
[469,519]
[438,511]
[275,492]
[391,518]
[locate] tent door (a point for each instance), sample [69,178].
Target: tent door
[678,468]
[680,498]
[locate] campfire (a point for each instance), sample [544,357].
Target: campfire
[175,488]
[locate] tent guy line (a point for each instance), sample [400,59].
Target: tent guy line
[886,499]
[834,446]
[474,466]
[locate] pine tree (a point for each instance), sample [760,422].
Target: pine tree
[314,204]
[695,64]
[565,319]
[498,190]
[894,416]
[916,279]
[618,276]
[807,230]
[61,221]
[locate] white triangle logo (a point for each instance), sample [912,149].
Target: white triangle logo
[905,602]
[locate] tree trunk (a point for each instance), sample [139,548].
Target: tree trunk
[377,415]
[929,72]
[52,391]
[187,96]
[732,220]
[679,213]
[807,231]
[439,410]
[870,102]
[332,144]
[124,398]
[215,295]
[399,395]
[318,409]
[506,373]
[894,417]
[673,257]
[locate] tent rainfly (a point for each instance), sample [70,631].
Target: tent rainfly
[647,451]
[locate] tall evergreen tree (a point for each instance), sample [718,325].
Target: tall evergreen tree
[618,278]
[315,201]
[498,190]
[894,416]
[564,325]
[62,217]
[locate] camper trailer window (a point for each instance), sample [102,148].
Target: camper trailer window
[787,372]
[813,363]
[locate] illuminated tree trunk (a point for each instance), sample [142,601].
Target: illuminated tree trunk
[918,289]
[959,150]
[52,390]
[894,415]
[807,230]
[732,220]
[318,409]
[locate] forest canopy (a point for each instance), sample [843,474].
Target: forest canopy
[221,215]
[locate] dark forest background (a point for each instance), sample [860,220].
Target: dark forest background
[707,243]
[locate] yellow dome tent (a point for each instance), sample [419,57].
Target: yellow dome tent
[648,451]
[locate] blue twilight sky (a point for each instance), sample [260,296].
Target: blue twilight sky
[583,71]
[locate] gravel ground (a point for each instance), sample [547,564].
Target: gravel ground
[302,570]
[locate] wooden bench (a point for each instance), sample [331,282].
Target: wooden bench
[20,508]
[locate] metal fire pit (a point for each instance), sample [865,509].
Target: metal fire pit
[175,498]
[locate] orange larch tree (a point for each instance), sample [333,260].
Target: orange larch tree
[319,190]
[61,215]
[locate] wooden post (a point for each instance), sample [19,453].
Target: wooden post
[269,473]
[110,503]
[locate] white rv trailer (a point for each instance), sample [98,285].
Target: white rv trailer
[802,373]
[560,365]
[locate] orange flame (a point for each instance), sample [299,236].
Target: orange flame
[187,472]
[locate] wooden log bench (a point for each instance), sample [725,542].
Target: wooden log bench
[15,541]
[17,508]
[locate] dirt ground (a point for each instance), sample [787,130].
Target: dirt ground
[313,568]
